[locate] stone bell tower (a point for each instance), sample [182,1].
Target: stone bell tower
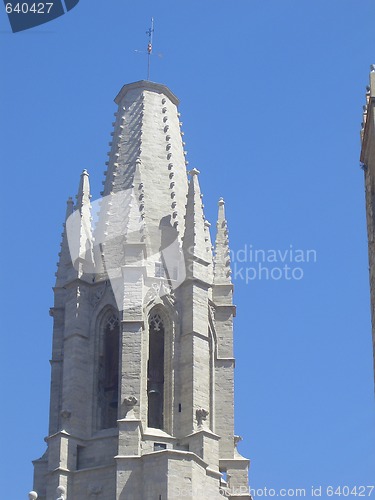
[142,368]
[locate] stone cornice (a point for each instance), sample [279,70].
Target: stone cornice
[146,85]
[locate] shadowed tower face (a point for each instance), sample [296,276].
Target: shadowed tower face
[368,165]
[142,369]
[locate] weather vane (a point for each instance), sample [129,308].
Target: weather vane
[149,32]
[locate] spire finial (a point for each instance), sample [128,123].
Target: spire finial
[222,269]
[149,33]
[193,171]
[83,196]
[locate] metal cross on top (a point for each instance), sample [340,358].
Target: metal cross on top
[149,32]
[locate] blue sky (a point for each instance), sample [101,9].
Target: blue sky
[271,98]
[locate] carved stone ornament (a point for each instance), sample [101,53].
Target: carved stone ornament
[61,493]
[162,289]
[65,414]
[165,289]
[237,439]
[95,489]
[97,294]
[152,293]
[201,415]
[212,311]
[129,403]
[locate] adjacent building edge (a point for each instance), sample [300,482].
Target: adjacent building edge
[367,160]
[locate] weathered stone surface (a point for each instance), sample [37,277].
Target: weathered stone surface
[105,388]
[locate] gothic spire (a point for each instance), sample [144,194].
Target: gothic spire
[76,256]
[145,331]
[83,195]
[194,237]
[147,128]
[222,271]
[83,208]
[65,261]
[196,242]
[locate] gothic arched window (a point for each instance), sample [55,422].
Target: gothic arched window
[155,373]
[109,372]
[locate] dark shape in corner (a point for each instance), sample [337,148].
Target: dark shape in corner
[27,14]
[70,4]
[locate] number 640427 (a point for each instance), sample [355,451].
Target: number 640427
[25,8]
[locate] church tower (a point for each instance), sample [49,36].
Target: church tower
[142,368]
[368,165]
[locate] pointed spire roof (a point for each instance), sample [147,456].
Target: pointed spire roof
[147,128]
[83,206]
[222,271]
[195,242]
[65,261]
[83,195]
[76,256]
